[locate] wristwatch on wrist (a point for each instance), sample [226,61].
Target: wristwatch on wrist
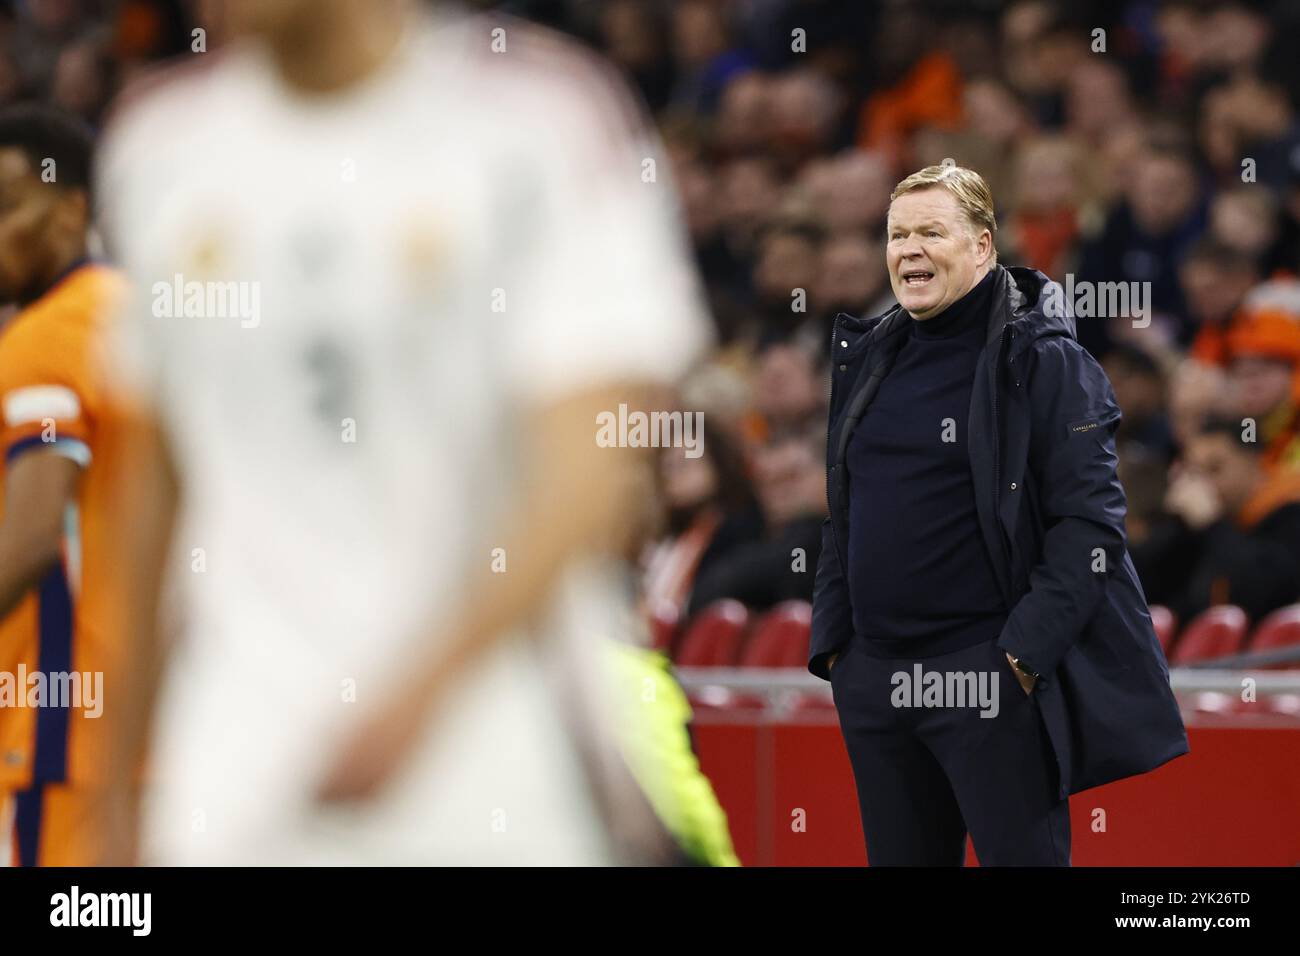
[1024,668]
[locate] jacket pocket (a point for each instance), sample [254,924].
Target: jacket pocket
[1010,670]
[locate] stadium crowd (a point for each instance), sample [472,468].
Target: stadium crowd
[1143,142]
[1154,142]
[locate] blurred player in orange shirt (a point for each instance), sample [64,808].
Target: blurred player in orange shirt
[53,653]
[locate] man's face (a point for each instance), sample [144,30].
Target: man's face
[1162,194]
[687,482]
[1138,392]
[786,385]
[933,257]
[32,213]
[1213,291]
[787,261]
[789,479]
[1260,384]
[850,274]
[1231,470]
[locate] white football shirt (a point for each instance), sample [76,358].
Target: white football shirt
[345,305]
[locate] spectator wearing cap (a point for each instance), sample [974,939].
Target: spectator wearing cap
[1263,359]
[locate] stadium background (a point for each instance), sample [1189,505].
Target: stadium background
[1149,142]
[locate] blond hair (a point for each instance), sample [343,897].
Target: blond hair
[967,187]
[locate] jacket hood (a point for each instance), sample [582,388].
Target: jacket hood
[1038,305]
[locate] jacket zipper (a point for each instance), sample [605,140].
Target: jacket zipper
[997,451]
[830,410]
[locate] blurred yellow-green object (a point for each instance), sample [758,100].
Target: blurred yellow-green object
[654,740]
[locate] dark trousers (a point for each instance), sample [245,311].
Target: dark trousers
[927,774]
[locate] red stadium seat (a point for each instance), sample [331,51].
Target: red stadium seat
[814,704]
[1280,629]
[1268,709]
[714,635]
[1216,632]
[720,699]
[780,638]
[1214,702]
[664,619]
[1284,704]
[1166,625]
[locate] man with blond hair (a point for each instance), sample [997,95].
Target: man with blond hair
[987,640]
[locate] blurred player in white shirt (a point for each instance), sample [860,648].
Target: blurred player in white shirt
[428,256]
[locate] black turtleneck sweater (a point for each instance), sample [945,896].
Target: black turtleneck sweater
[919,576]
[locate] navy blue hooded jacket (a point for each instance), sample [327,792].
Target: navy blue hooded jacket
[1051,513]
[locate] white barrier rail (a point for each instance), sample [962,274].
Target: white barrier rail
[779,680]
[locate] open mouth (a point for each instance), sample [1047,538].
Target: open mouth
[915,278]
